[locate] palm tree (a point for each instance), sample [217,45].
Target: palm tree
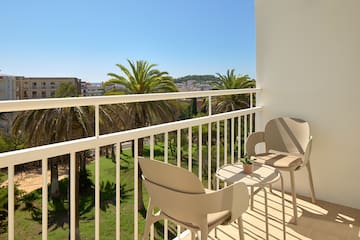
[142,78]
[48,126]
[231,81]
[232,102]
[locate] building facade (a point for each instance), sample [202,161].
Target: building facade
[20,87]
[91,89]
[43,87]
[8,87]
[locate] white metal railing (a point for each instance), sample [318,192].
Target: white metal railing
[244,119]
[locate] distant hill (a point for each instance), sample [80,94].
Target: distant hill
[197,78]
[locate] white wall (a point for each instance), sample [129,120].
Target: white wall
[308,64]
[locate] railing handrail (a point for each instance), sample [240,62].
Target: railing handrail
[41,152]
[47,103]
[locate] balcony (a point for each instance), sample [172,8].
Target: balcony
[187,143]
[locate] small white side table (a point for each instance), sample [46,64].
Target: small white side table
[262,176]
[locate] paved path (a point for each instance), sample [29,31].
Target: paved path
[32,180]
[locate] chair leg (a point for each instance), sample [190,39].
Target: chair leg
[151,218]
[252,198]
[293,192]
[203,236]
[313,199]
[146,231]
[192,235]
[149,221]
[204,230]
[241,228]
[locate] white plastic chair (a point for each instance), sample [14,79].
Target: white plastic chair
[180,197]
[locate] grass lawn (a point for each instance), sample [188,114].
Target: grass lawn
[29,227]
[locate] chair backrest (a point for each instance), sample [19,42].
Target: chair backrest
[171,177]
[288,135]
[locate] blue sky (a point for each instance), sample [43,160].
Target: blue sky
[86,39]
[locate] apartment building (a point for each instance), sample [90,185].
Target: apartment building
[8,87]
[91,89]
[20,87]
[43,87]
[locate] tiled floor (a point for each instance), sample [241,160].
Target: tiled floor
[320,221]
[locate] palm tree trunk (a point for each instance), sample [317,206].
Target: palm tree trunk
[194,110]
[141,204]
[113,153]
[54,189]
[82,159]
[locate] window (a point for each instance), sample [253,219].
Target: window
[34,94]
[43,94]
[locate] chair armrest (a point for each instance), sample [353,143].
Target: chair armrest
[234,198]
[240,203]
[252,140]
[194,207]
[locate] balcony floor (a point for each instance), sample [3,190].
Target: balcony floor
[320,221]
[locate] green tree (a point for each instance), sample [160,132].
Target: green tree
[67,89]
[232,102]
[46,126]
[142,78]
[231,81]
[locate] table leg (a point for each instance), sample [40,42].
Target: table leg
[283,205]
[252,198]
[266,215]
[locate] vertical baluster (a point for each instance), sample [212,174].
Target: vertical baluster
[72,196]
[217,150]
[178,148]
[11,202]
[166,148]
[239,138]
[97,175]
[152,147]
[136,190]
[117,159]
[209,156]
[232,140]
[200,152]
[97,122]
[245,131]
[152,157]
[225,141]
[178,163]
[190,149]
[44,170]
[251,115]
